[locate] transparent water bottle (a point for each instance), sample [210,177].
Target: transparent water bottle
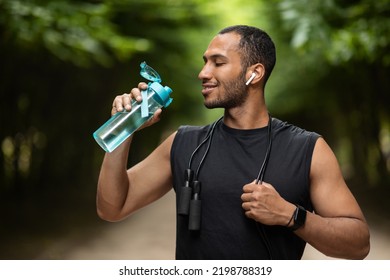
[123,124]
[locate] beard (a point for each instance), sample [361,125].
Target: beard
[234,94]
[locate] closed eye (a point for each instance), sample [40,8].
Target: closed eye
[217,59]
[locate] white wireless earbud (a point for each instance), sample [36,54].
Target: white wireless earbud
[251,78]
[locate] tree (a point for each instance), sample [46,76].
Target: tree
[62,63]
[341,65]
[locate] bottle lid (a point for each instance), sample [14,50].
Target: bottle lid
[149,73]
[163,93]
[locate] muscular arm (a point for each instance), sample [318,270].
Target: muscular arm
[121,192]
[338,227]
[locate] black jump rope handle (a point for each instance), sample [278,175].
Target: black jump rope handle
[195,208]
[185,193]
[189,201]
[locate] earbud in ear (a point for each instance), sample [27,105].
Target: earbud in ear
[251,78]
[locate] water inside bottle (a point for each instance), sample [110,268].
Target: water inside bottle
[118,128]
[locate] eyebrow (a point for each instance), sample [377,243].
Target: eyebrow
[214,56]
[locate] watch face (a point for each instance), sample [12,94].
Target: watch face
[299,217]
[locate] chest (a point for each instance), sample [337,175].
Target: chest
[232,162]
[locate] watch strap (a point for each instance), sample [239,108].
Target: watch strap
[299,217]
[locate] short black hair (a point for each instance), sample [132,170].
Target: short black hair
[256,46]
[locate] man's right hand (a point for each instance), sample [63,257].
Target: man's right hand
[123,102]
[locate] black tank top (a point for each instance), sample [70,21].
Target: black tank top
[234,159]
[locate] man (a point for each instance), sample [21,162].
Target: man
[266,187]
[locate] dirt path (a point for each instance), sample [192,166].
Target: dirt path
[150,234]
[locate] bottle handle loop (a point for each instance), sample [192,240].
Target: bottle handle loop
[144,104]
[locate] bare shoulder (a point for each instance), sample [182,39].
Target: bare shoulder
[330,194]
[323,160]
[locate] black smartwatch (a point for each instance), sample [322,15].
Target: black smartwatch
[299,217]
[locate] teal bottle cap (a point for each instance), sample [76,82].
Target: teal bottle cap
[163,93]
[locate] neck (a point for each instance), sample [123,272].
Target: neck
[250,115]
[241,119]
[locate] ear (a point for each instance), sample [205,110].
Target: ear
[257,69]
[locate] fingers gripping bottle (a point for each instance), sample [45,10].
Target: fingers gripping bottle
[123,124]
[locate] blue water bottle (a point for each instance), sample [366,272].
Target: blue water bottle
[121,125]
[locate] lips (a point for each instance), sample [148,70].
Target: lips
[208,88]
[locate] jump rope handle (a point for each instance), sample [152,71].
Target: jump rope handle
[185,193]
[195,208]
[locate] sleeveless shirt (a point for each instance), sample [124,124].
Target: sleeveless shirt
[233,160]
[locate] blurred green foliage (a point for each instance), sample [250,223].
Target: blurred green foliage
[77,32]
[62,64]
[334,78]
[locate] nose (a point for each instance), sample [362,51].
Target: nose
[205,73]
